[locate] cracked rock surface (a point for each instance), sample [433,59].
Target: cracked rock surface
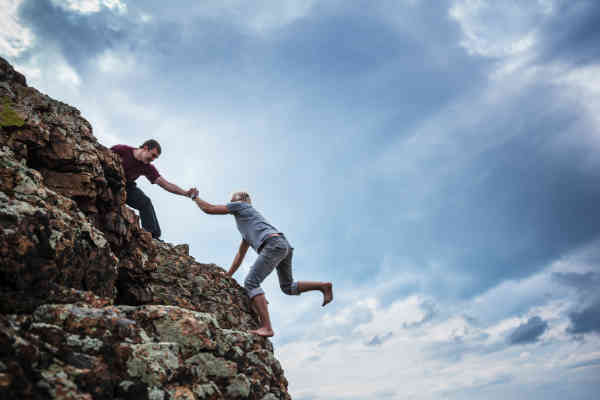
[91,307]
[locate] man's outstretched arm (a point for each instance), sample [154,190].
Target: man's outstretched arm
[173,188]
[210,208]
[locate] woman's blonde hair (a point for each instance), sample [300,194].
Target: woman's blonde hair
[241,196]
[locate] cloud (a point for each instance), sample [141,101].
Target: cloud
[528,332]
[330,341]
[589,363]
[361,312]
[76,28]
[586,320]
[461,343]
[540,32]
[496,222]
[15,38]
[568,43]
[492,29]
[584,317]
[378,340]
[429,309]
[90,6]
[450,356]
[480,385]
[585,282]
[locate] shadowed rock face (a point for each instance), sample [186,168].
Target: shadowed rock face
[91,307]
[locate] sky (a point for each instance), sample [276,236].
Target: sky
[439,162]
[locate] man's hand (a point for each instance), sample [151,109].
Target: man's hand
[192,193]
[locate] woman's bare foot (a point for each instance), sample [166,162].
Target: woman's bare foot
[327,291]
[264,332]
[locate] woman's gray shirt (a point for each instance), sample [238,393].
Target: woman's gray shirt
[251,224]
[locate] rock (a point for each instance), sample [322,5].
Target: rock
[9,75]
[91,307]
[239,387]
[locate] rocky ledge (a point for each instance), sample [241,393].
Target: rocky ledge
[91,307]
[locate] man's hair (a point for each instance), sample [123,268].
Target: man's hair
[241,196]
[152,144]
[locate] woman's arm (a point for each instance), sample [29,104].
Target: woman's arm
[239,257]
[210,208]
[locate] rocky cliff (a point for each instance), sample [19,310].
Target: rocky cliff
[91,307]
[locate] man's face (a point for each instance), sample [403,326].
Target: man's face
[149,155]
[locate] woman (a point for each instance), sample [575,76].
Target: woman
[273,250]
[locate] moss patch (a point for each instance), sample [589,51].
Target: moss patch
[8,117]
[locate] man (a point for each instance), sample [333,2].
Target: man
[137,162]
[273,250]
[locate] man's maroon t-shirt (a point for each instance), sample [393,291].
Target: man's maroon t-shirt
[134,168]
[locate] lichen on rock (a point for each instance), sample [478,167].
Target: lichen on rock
[8,117]
[153,363]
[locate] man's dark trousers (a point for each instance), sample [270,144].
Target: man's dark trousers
[138,200]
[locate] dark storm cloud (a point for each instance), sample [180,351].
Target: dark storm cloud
[79,36]
[325,58]
[528,332]
[585,321]
[511,210]
[529,206]
[175,47]
[573,34]
[586,317]
[335,54]
[503,215]
[519,205]
[586,282]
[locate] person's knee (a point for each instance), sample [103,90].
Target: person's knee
[254,291]
[139,202]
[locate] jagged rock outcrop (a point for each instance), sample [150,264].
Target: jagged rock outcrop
[91,307]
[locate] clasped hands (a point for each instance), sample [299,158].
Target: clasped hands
[192,193]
